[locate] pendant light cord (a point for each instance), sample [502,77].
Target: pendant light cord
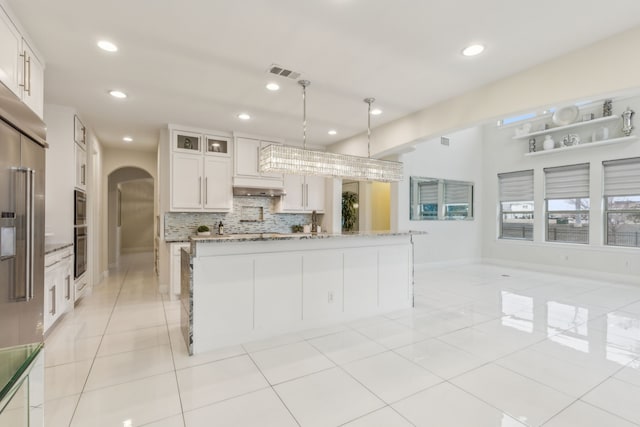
[369,101]
[304,84]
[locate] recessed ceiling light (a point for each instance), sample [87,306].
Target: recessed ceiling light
[244,116]
[376,112]
[107,45]
[117,94]
[332,132]
[127,139]
[273,86]
[473,50]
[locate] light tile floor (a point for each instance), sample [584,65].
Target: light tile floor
[484,346]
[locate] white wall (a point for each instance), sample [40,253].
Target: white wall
[602,68]
[447,241]
[503,154]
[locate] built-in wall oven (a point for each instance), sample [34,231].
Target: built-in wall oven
[80,208]
[80,233]
[80,250]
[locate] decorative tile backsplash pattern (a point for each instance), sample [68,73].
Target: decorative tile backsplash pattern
[179,226]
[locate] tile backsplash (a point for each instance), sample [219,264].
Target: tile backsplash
[181,225]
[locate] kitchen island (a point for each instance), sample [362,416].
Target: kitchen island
[240,288]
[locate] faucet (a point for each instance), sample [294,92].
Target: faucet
[314,222]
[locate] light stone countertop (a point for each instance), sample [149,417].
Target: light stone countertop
[259,237]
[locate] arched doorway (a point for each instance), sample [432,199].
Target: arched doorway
[130,215]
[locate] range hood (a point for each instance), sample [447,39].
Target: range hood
[258,192]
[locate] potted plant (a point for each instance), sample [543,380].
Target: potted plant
[349,210]
[203,230]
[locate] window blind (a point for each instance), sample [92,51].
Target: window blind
[567,182]
[622,177]
[455,194]
[429,192]
[516,186]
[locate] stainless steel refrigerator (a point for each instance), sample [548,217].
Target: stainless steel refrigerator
[22,185]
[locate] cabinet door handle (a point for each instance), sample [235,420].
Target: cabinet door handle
[200,190]
[258,160]
[68,283]
[307,194]
[24,84]
[29,79]
[302,195]
[206,190]
[52,294]
[83,175]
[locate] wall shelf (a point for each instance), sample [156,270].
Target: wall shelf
[585,145]
[571,126]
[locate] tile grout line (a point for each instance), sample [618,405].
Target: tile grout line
[75,409]
[173,361]
[273,389]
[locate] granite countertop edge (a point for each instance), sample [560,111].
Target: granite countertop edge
[261,237]
[50,248]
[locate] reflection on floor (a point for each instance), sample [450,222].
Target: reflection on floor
[485,346]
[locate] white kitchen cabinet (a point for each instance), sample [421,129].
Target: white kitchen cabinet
[303,194]
[247,164]
[218,194]
[394,289]
[225,298]
[200,173]
[81,167]
[20,69]
[361,281]
[174,287]
[186,182]
[278,291]
[33,80]
[58,284]
[322,285]
[10,49]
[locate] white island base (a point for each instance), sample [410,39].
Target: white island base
[240,290]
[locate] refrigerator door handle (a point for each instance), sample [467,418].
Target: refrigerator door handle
[31,221]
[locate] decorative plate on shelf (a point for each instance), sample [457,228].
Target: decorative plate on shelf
[566,116]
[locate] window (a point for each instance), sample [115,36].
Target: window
[516,205]
[622,202]
[567,200]
[434,199]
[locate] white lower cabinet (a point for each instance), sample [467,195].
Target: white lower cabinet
[393,277]
[225,297]
[174,268]
[58,286]
[322,285]
[278,290]
[252,293]
[360,281]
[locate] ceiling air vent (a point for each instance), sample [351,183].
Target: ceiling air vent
[281,71]
[444,140]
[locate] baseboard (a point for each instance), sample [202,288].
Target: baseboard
[445,264]
[576,272]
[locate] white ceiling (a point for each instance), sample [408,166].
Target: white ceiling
[201,62]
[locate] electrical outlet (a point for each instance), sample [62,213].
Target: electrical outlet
[330,297]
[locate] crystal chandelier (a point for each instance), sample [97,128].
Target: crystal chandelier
[301,161]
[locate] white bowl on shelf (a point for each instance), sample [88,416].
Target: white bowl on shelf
[565,116]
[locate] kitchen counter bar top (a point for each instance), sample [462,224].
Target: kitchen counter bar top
[260,237]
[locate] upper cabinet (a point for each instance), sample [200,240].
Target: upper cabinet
[20,69]
[247,164]
[304,194]
[200,177]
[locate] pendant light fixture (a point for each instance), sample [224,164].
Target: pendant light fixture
[301,161]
